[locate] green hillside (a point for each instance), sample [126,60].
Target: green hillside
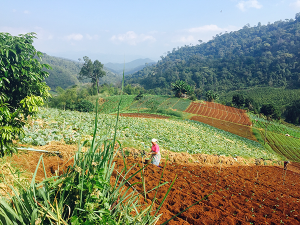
[263,55]
[65,72]
[277,96]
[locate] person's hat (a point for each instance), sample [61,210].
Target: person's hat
[153,140]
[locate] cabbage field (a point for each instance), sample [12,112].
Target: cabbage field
[172,134]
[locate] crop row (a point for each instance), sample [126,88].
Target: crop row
[219,111]
[175,135]
[111,103]
[274,126]
[287,146]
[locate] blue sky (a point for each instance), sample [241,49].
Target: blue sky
[113,30]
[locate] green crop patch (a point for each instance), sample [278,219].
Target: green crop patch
[173,134]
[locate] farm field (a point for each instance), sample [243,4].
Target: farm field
[275,127]
[240,194]
[238,129]
[175,135]
[110,104]
[284,145]
[219,111]
[281,138]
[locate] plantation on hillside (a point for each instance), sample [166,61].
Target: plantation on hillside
[175,135]
[279,97]
[263,55]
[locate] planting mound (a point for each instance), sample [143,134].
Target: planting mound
[144,115]
[230,195]
[28,160]
[241,130]
[219,111]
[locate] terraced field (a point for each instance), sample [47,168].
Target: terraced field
[219,111]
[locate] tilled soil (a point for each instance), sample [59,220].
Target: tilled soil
[238,129]
[230,195]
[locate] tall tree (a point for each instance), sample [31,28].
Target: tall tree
[22,86]
[92,71]
[181,87]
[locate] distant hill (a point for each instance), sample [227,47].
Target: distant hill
[263,55]
[65,72]
[130,67]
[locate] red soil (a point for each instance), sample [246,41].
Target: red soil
[144,115]
[241,130]
[219,111]
[28,160]
[240,195]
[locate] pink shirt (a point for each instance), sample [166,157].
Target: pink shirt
[155,148]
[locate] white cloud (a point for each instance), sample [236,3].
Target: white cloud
[205,33]
[74,37]
[295,4]
[212,28]
[92,37]
[243,5]
[26,12]
[132,38]
[185,39]
[205,28]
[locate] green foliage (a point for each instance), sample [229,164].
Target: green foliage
[180,87]
[84,106]
[139,96]
[163,102]
[110,104]
[253,56]
[82,195]
[238,100]
[174,135]
[275,126]
[270,111]
[170,112]
[292,113]
[152,104]
[284,145]
[130,90]
[65,72]
[92,71]
[22,86]
[211,96]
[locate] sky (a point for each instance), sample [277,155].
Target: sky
[125,30]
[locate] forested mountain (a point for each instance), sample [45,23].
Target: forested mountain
[65,72]
[130,67]
[263,55]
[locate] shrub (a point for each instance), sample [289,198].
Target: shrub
[84,106]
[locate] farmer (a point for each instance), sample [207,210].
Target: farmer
[285,163]
[155,154]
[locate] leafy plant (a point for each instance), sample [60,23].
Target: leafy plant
[22,86]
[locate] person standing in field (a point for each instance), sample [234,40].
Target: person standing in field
[155,154]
